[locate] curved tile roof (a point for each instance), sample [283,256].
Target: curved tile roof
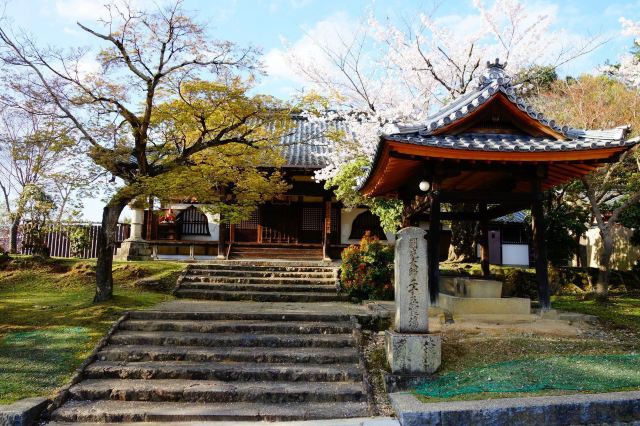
[492,81]
[506,142]
[307,145]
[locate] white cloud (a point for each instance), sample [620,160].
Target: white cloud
[93,10]
[80,9]
[88,65]
[330,32]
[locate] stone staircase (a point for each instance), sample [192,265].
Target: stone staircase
[275,251]
[262,281]
[187,366]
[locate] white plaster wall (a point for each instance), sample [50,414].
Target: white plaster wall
[624,254]
[214,227]
[515,254]
[347,217]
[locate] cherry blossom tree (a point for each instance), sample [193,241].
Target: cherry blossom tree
[378,74]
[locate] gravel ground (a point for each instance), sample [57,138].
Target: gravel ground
[376,361]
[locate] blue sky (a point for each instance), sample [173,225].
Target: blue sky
[268,23]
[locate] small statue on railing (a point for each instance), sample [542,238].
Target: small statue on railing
[168,217]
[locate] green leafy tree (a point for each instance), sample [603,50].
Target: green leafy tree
[34,151]
[344,185]
[37,207]
[601,102]
[146,117]
[566,217]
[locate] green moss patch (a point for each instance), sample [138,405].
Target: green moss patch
[49,323]
[33,362]
[600,373]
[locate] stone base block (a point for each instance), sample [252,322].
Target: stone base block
[471,287]
[413,353]
[484,305]
[133,250]
[25,412]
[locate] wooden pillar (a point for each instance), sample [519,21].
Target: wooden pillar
[540,248]
[222,235]
[433,254]
[326,230]
[484,241]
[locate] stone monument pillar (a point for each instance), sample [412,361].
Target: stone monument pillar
[411,349]
[134,247]
[136,224]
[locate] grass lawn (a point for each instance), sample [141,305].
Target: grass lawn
[48,323]
[622,310]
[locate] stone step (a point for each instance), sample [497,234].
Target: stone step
[258,280]
[239,326]
[216,391]
[226,371]
[329,273]
[257,296]
[277,253]
[312,355]
[331,289]
[265,265]
[139,411]
[257,316]
[232,340]
[240,256]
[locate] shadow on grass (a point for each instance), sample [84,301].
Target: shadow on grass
[34,362]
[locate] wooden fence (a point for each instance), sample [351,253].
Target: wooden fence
[59,245]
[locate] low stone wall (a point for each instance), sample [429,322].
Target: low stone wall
[485,305]
[586,409]
[25,412]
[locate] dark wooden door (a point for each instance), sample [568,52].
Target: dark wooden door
[312,222]
[495,247]
[246,231]
[280,223]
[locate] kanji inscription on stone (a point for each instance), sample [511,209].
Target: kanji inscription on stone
[411,287]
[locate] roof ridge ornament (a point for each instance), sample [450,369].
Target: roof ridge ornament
[495,72]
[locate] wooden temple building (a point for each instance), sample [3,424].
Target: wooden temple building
[307,222]
[488,148]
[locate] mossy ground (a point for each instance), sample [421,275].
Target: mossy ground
[49,324]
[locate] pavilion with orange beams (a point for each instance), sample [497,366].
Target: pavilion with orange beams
[487,148]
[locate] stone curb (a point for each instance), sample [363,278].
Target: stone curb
[581,409]
[366,379]
[181,278]
[62,394]
[25,412]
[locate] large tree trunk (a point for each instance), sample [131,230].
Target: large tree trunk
[604,267]
[13,234]
[462,236]
[106,244]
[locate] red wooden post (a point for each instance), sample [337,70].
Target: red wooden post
[484,241]
[326,231]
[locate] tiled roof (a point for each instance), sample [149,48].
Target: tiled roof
[307,146]
[516,217]
[506,142]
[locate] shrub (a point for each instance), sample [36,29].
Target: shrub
[519,283]
[79,239]
[367,270]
